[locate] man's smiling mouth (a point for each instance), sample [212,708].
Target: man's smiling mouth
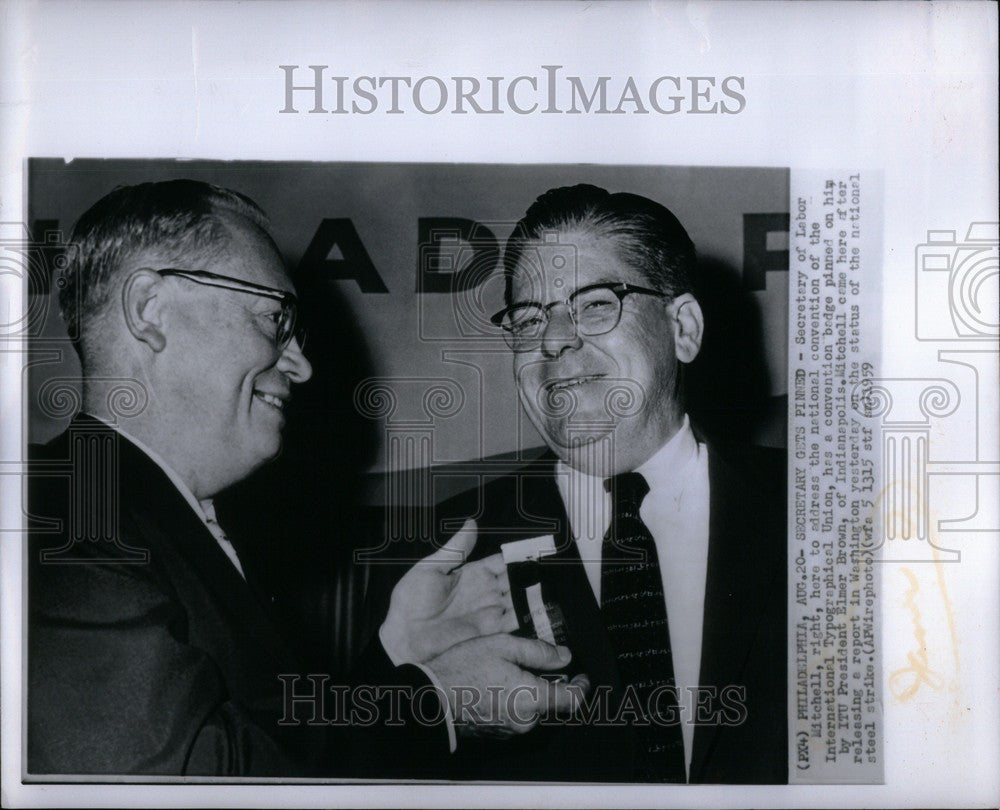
[271,399]
[572,382]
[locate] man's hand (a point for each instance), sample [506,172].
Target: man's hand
[490,691]
[443,601]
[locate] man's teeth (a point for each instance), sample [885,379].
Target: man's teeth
[572,383]
[270,399]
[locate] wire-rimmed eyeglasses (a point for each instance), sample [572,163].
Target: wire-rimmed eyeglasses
[285,319]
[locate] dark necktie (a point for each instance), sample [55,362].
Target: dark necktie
[635,616]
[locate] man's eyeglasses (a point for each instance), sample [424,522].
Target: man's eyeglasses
[594,310]
[284,320]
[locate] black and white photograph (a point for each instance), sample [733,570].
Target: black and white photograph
[261,566]
[499,404]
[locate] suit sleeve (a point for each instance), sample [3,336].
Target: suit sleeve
[405,732]
[112,688]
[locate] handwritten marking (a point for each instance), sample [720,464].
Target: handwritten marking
[918,672]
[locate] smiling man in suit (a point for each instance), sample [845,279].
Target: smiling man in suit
[665,569]
[152,645]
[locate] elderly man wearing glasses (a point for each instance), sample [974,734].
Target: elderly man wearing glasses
[659,558]
[151,648]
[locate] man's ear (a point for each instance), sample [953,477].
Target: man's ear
[142,303]
[689,327]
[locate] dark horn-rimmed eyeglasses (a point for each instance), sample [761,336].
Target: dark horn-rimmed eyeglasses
[594,309]
[286,319]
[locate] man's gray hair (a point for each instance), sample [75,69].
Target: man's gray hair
[177,218]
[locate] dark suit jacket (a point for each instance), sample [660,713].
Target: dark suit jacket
[148,653]
[743,637]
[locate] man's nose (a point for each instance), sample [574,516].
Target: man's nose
[560,333]
[293,363]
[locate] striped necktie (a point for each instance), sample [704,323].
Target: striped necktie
[635,616]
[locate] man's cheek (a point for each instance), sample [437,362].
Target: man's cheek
[537,414]
[524,396]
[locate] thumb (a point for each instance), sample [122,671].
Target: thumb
[457,550]
[564,698]
[533,653]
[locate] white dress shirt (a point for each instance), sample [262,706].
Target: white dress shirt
[204,509]
[676,513]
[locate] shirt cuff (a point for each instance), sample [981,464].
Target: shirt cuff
[398,661]
[448,719]
[394,655]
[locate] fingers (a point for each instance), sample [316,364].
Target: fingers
[495,619]
[496,568]
[456,551]
[480,585]
[490,571]
[562,698]
[528,703]
[497,593]
[509,623]
[503,582]
[486,572]
[531,653]
[495,565]
[491,695]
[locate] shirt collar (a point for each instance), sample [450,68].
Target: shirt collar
[662,469]
[201,508]
[666,472]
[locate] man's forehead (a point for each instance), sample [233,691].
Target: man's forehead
[249,254]
[575,261]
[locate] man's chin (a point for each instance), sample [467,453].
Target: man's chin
[267,451]
[574,443]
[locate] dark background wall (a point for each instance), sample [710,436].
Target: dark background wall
[408,374]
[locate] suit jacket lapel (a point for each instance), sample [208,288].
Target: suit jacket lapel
[732,588]
[161,511]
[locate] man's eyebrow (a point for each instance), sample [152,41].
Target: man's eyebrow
[525,302]
[599,282]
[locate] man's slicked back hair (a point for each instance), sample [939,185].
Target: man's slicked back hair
[178,219]
[648,235]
